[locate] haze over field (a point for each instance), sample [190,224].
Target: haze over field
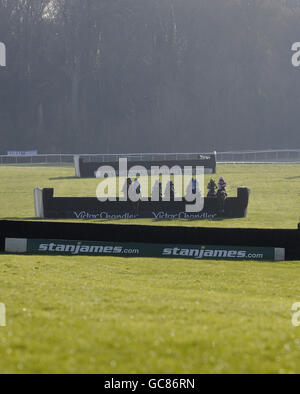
[141,283]
[149,75]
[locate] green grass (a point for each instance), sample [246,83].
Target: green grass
[116,315]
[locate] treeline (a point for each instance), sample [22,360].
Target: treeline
[149,75]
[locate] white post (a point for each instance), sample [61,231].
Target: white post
[2,315]
[77,166]
[38,203]
[279,254]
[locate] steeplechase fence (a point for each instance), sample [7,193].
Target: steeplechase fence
[56,238]
[50,207]
[87,167]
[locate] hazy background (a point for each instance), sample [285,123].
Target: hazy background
[95,76]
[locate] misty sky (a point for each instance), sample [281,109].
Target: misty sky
[98,76]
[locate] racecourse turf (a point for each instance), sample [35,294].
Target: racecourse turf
[118,315]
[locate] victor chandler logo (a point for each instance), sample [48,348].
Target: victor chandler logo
[83,215]
[183,215]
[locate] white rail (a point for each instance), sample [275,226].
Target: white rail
[69,158]
[250,156]
[261,156]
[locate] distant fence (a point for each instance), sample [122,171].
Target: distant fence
[247,157]
[61,159]
[257,157]
[103,158]
[87,167]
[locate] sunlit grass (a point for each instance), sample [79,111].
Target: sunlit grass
[274,200]
[117,315]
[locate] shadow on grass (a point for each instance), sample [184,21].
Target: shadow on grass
[20,219]
[35,219]
[293,177]
[63,178]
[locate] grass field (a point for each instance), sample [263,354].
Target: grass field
[116,315]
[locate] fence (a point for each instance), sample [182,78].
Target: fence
[142,157]
[103,158]
[257,157]
[266,156]
[60,159]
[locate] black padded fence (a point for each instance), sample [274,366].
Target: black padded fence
[88,168]
[92,208]
[174,235]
